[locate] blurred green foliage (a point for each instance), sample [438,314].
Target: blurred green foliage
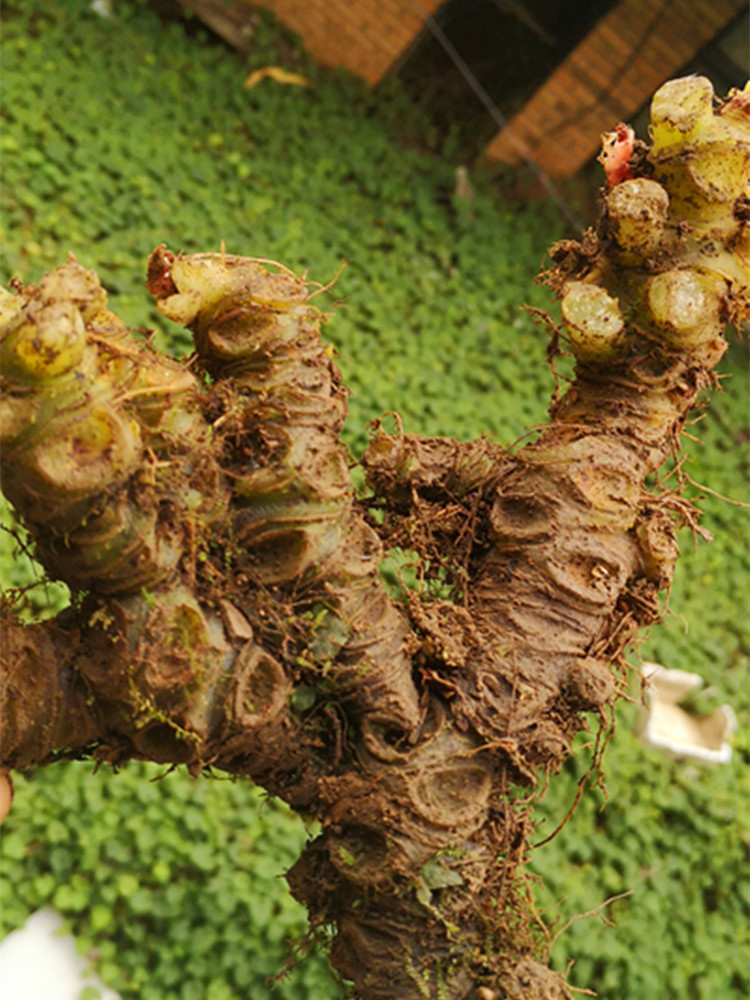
[173,887]
[121,134]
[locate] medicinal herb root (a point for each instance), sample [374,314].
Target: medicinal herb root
[228,609]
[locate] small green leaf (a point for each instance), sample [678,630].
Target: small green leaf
[100,917]
[161,872]
[203,858]
[303,697]
[70,900]
[424,895]
[14,846]
[127,885]
[437,876]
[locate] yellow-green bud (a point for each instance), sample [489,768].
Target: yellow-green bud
[637,211]
[48,345]
[679,110]
[11,311]
[77,285]
[593,321]
[719,170]
[685,303]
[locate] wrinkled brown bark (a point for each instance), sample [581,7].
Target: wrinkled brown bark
[234,617]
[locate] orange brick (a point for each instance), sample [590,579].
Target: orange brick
[608,77]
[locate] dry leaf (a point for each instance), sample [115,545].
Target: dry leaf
[278,74]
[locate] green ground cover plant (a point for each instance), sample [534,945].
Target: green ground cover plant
[430,327]
[173,887]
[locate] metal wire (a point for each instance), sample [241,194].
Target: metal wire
[496,114]
[604,93]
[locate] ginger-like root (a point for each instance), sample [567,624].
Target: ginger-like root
[234,616]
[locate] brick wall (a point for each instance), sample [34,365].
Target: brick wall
[612,73]
[364,36]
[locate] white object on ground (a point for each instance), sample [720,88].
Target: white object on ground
[671,727]
[103,8]
[37,962]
